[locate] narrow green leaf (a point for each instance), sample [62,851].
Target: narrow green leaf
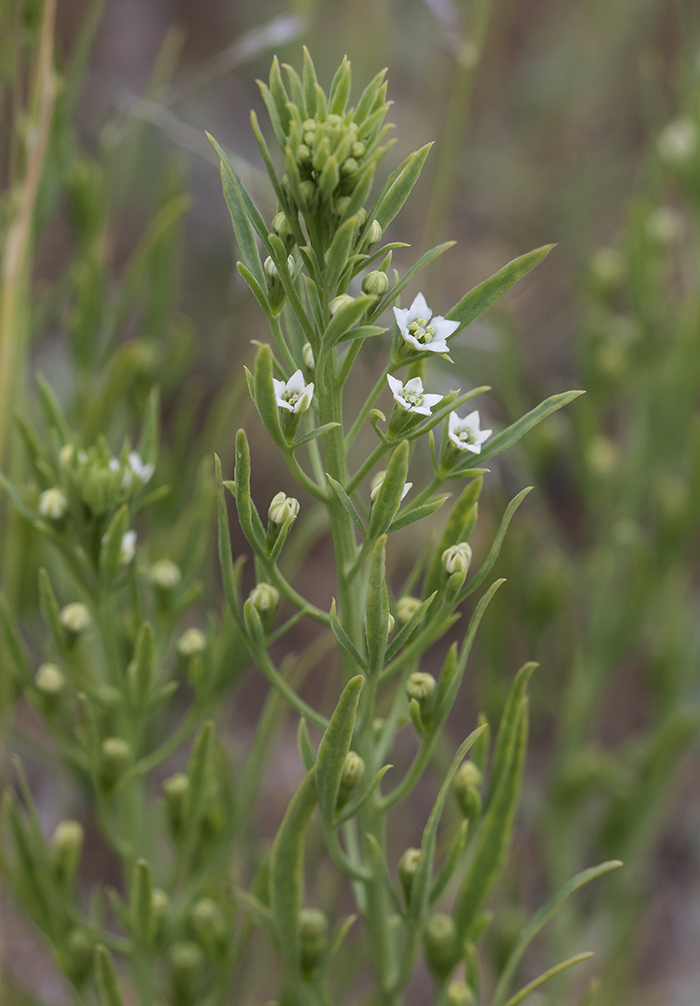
[248,517]
[141,903]
[287,872]
[310,82]
[483,296]
[377,611]
[340,88]
[265,400]
[326,962]
[110,548]
[267,159]
[334,747]
[368,96]
[51,407]
[337,254]
[279,96]
[506,438]
[343,319]
[107,978]
[362,332]
[48,606]
[198,771]
[490,560]
[356,806]
[544,916]
[505,739]
[457,847]
[461,515]
[259,913]
[405,631]
[258,291]
[230,573]
[141,672]
[406,517]
[306,748]
[16,647]
[388,499]
[295,86]
[320,431]
[343,638]
[529,989]
[348,505]
[400,190]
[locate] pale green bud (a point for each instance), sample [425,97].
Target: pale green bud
[375,283]
[308,191]
[459,994]
[374,233]
[408,864]
[308,355]
[265,599]
[282,508]
[457,558]
[391,622]
[421,687]
[75,619]
[192,643]
[165,575]
[53,504]
[186,960]
[176,791]
[280,226]
[466,789]
[159,907]
[116,755]
[313,924]
[338,302]
[442,949]
[353,770]
[358,150]
[208,920]
[349,167]
[341,206]
[80,951]
[304,153]
[67,844]
[406,607]
[608,266]
[49,681]
[127,550]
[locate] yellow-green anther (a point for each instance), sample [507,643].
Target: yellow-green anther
[408,864]
[165,575]
[457,558]
[75,619]
[442,946]
[353,770]
[53,504]
[406,607]
[67,844]
[342,301]
[375,283]
[313,925]
[459,994]
[116,755]
[49,681]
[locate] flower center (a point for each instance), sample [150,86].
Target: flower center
[466,436]
[421,331]
[291,396]
[412,397]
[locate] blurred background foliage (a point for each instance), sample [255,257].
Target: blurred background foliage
[551,121]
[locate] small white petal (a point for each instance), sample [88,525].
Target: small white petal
[395,385]
[443,328]
[419,309]
[414,385]
[296,382]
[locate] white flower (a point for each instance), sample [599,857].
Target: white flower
[143,472]
[53,503]
[465,433]
[128,548]
[294,395]
[113,464]
[377,485]
[271,269]
[410,396]
[421,330]
[282,508]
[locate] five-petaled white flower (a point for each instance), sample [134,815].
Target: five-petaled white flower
[465,433]
[420,330]
[410,396]
[293,395]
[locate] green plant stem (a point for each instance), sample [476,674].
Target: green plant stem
[367,407]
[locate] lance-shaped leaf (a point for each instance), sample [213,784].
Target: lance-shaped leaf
[259,292]
[320,431]
[528,989]
[337,254]
[544,916]
[483,296]
[368,96]
[150,434]
[245,215]
[345,318]
[306,748]
[15,646]
[400,189]
[310,83]
[198,772]
[287,872]
[355,806]
[248,517]
[51,408]
[265,400]
[348,504]
[459,525]
[336,943]
[363,332]
[107,978]
[256,911]
[494,552]
[141,902]
[388,498]
[491,844]
[48,606]
[335,745]
[277,128]
[343,638]
[506,438]
[340,88]
[505,739]
[410,516]
[377,611]
[405,631]
[141,668]
[457,847]
[230,572]
[110,549]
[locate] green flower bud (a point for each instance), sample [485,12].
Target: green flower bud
[165,575]
[176,791]
[75,619]
[466,789]
[338,302]
[353,770]
[186,960]
[374,233]
[116,755]
[406,607]
[265,599]
[308,355]
[79,956]
[209,923]
[50,683]
[308,192]
[280,226]
[358,150]
[314,937]
[349,167]
[282,508]
[192,643]
[159,909]
[457,558]
[341,206]
[408,864]
[67,844]
[442,948]
[303,153]
[421,687]
[459,994]
[53,504]
[375,283]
